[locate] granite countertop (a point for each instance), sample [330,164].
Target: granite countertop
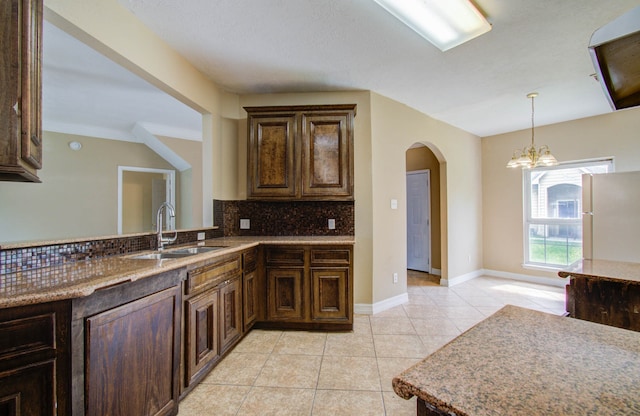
[604,270]
[524,362]
[82,278]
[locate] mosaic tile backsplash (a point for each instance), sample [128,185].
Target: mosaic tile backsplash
[308,218]
[35,257]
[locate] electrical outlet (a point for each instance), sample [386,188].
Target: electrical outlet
[245,224]
[200,236]
[394,204]
[395,278]
[332,224]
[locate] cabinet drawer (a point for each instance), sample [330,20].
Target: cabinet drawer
[27,335]
[213,274]
[330,257]
[249,260]
[285,256]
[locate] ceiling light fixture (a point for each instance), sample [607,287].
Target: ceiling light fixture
[530,157]
[445,23]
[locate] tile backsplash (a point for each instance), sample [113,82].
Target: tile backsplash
[309,218]
[33,257]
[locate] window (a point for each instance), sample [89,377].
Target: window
[553,212]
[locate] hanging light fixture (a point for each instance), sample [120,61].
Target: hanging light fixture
[530,157]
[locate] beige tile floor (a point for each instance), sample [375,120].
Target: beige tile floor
[318,373]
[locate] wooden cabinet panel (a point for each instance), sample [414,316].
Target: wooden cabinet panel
[285,288]
[300,152]
[29,391]
[202,337]
[131,357]
[329,297]
[608,302]
[250,298]
[213,274]
[326,155]
[231,312]
[272,167]
[34,359]
[20,90]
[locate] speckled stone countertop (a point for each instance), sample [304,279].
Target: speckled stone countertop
[604,270]
[524,362]
[82,278]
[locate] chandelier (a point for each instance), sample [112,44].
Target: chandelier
[530,157]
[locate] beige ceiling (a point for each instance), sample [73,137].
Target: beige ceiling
[264,46]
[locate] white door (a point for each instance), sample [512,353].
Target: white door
[418,221]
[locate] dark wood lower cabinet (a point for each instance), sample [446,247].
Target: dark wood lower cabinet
[34,360]
[285,292]
[28,391]
[213,320]
[126,342]
[202,334]
[129,357]
[309,287]
[330,288]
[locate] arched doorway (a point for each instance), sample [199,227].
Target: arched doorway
[424,259]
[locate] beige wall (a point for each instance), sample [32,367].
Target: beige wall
[189,182]
[421,158]
[136,201]
[615,134]
[118,34]
[395,127]
[79,190]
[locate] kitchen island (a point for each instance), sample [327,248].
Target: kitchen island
[525,362]
[604,291]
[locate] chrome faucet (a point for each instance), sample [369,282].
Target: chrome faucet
[171,211]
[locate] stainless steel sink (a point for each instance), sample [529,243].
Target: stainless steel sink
[189,251]
[176,253]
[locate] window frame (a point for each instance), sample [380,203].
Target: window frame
[529,220]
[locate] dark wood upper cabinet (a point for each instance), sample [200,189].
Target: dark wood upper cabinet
[20,90]
[300,152]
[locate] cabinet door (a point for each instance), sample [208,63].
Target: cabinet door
[231,312]
[20,90]
[28,391]
[285,293]
[132,357]
[250,299]
[272,170]
[330,294]
[327,166]
[202,337]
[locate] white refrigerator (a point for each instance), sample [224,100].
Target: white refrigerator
[611,216]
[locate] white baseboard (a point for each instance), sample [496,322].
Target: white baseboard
[462,278]
[371,309]
[550,281]
[436,272]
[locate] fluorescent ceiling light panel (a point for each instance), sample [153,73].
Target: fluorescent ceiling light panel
[445,23]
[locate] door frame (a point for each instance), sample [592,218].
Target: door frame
[171,188]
